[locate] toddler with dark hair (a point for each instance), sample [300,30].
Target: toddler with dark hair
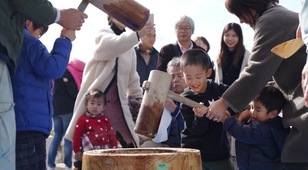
[259,143]
[93,129]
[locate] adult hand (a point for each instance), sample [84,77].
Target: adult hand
[225,116]
[305,83]
[72,19]
[147,29]
[217,110]
[170,105]
[304,71]
[299,32]
[70,34]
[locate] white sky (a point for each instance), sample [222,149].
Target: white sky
[210,17]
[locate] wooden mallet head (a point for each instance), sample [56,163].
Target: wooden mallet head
[152,105]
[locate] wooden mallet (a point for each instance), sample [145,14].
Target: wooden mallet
[129,12]
[152,105]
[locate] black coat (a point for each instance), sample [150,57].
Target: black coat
[169,51]
[202,133]
[65,94]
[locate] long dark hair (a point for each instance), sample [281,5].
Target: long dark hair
[239,49]
[242,8]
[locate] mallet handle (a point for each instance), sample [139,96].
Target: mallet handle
[83,5]
[183,99]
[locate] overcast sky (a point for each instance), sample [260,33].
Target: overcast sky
[210,16]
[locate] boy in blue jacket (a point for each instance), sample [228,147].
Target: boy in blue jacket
[200,132]
[32,89]
[259,143]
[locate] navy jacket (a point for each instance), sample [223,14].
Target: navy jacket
[32,85]
[258,144]
[142,68]
[169,51]
[65,94]
[175,128]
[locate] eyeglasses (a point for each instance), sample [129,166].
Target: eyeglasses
[183,28]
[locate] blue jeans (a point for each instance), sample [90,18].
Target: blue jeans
[61,123]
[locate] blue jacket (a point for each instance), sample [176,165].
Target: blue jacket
[32,83]
[258,144]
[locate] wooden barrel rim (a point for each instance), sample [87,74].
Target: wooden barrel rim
[142,151]
[142,159]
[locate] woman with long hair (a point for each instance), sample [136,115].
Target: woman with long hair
[233,56]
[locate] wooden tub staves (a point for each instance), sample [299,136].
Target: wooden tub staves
[142,159]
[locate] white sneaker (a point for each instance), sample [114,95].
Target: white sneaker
[51,168]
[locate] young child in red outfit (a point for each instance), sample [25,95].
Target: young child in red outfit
[93,129]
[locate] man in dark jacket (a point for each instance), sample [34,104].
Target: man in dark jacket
[184,29]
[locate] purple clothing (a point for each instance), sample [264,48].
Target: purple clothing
[114,113]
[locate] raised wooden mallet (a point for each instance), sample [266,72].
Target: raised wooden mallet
[129,12]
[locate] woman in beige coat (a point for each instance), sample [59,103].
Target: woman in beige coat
[113,71]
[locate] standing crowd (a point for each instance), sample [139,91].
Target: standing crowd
[253,105]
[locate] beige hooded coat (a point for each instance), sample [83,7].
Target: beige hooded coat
[99,71]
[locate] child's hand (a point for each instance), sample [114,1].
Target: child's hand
[200,111]
[78,156]
[70,34]
[244,116]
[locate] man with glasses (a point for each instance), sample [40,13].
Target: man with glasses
[184,29]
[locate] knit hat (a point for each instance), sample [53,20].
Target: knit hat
[76,67]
